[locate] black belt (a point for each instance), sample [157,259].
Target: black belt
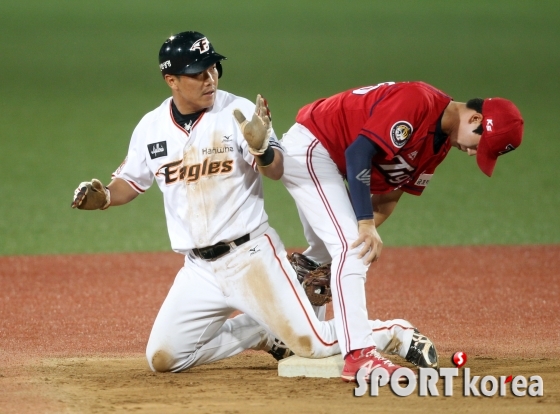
[219,249]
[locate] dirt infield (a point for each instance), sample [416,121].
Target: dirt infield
[73,331]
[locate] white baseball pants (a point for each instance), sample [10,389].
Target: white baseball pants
[192,326]
[330,227]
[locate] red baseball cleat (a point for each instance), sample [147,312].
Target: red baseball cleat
[368,358]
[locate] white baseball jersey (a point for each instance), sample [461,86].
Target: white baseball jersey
[201,207]
[213,193]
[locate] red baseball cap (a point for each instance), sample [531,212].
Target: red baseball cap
[502,132]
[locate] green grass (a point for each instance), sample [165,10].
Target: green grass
[76,77]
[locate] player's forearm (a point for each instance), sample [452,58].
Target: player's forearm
[358,172]
[121,192]
[383,213]
[379,219]
[384,205]
[275,169]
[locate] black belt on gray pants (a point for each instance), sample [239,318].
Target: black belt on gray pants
[219,249]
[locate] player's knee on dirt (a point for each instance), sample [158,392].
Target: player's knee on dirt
[162,361]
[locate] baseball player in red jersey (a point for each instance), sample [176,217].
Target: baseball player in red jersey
[383,140]
[208,162]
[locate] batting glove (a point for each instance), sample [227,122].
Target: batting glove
[91,195]
[256,132]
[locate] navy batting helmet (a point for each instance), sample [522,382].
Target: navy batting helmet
[188,53]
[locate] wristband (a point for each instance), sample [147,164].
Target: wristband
[266,158]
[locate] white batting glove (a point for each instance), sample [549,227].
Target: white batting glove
[256,132]
[91,195]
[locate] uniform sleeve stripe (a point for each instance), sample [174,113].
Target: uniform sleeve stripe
[276,145]
[133,185]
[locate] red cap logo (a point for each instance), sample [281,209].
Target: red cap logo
[502,132]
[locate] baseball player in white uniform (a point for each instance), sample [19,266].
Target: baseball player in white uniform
[207,160]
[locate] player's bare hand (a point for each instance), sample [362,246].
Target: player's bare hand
[257,131]
[91,195]
[369,240]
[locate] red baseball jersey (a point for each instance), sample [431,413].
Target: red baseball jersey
[400,118]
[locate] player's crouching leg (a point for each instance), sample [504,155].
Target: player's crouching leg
[400,337]
[317,352]
[162,358]
[160,361]
[319,341]
[174,353]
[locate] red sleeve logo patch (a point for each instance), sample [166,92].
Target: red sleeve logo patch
[401,132]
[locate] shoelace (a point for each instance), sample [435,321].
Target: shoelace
[377,355]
